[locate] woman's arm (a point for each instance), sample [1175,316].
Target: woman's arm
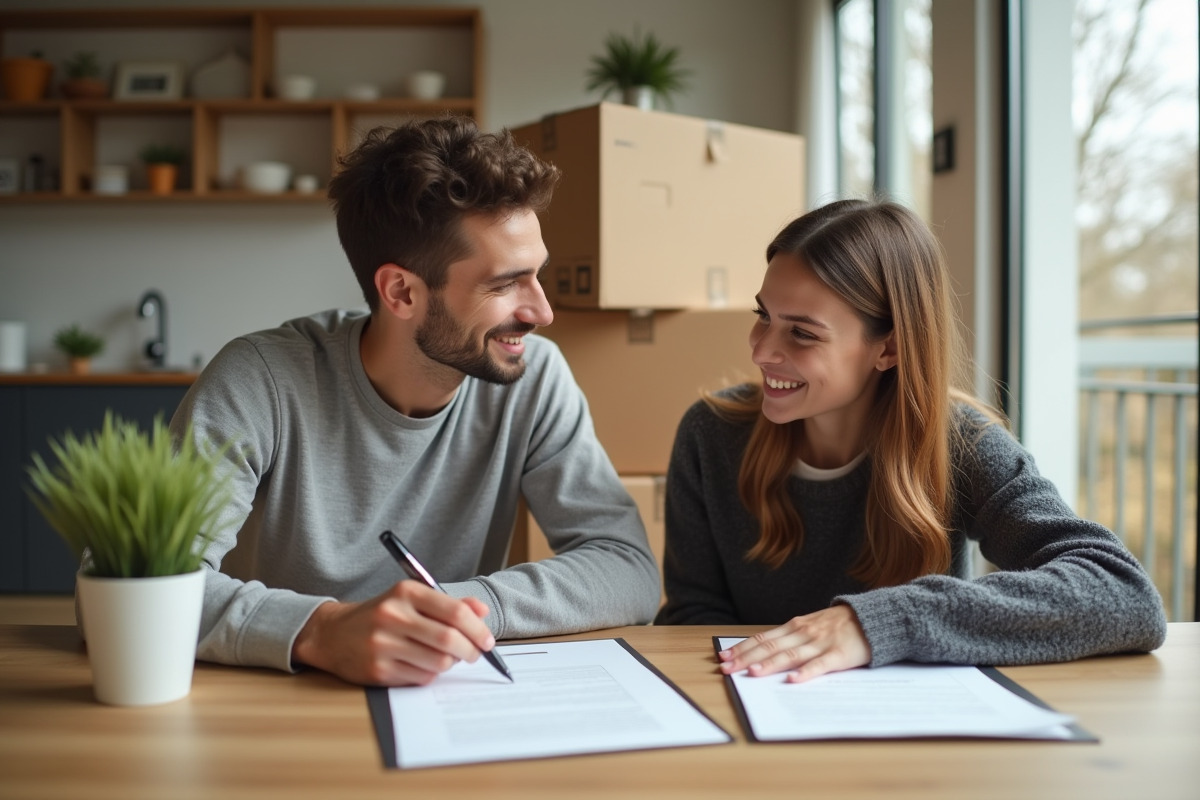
[1066,587]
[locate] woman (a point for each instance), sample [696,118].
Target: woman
[837,498]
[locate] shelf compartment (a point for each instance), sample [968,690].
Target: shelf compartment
[223,134]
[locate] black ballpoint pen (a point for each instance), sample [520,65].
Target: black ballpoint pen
[415,570]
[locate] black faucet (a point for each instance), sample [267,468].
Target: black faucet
[152,304]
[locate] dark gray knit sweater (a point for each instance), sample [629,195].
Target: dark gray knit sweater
[1066,587]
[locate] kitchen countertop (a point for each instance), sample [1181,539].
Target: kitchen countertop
[135,378]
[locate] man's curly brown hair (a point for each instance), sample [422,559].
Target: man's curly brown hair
[400,196]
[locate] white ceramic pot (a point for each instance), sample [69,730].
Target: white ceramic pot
[640,96]
[297,87]
[12,346]
[426,84]
[266,177]
[110,179]
[141,636]
[305,184]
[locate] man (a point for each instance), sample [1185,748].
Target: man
[430,416]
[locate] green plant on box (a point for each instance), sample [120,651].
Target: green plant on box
[131,504]
[78,343]
[163,154]
[83,64]
[637,61]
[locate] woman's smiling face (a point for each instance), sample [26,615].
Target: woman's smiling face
[812,349]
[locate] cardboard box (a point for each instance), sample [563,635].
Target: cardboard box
[647,492]
[641,371]
[660,210]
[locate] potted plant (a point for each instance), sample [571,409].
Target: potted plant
[641,68]
[83,77]
[138,510]
[25,79]
[80,346]
[162,166]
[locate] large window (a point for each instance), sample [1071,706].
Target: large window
[1135,117]
[856,97]
[885,100]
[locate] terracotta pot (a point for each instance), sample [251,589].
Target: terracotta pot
[79,366]
[84,88]
[161,177]
[25,79]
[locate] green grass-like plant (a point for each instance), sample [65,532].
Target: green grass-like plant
[637,61]
[129,504]
[84,64]
[163,154]
[78,343]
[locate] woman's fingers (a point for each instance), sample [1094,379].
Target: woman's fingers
[814,644]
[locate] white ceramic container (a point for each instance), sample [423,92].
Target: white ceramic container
[110,179]
[305,184]
[426,84]
[12,346]
[141,636]
[266,177]
[297,87]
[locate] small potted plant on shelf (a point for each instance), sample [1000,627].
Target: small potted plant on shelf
[25,79]
[80,346]
[641,68]
[138,510]
[83,77]
[162,166]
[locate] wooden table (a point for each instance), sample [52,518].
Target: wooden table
[247,733]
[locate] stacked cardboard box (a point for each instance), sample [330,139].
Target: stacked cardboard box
[659,210]
[657,235]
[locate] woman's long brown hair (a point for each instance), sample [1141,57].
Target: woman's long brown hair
[886,264]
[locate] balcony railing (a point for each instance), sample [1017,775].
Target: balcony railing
[1137,383]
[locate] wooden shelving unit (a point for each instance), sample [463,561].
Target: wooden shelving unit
[79,123]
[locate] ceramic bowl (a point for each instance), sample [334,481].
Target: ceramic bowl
[426,84]
[266,177]
[110,179]
[297,87]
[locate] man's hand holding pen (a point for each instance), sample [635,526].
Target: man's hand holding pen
[408,635]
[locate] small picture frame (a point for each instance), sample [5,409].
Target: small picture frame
[943,150]
[149,80]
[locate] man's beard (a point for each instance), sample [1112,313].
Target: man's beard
[442,339]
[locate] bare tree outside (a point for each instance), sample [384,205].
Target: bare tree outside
[1136,121]
[1136,137]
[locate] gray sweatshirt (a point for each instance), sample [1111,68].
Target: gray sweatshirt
[1066,588]
[322,465]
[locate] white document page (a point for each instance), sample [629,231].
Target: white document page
[899,700]
[566,698]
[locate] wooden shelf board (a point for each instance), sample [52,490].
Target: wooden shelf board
[179,196]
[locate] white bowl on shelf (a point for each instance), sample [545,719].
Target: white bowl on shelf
[297,87]
[426,84]
[266,177]
[110,179]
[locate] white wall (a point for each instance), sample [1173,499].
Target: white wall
[227,269]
